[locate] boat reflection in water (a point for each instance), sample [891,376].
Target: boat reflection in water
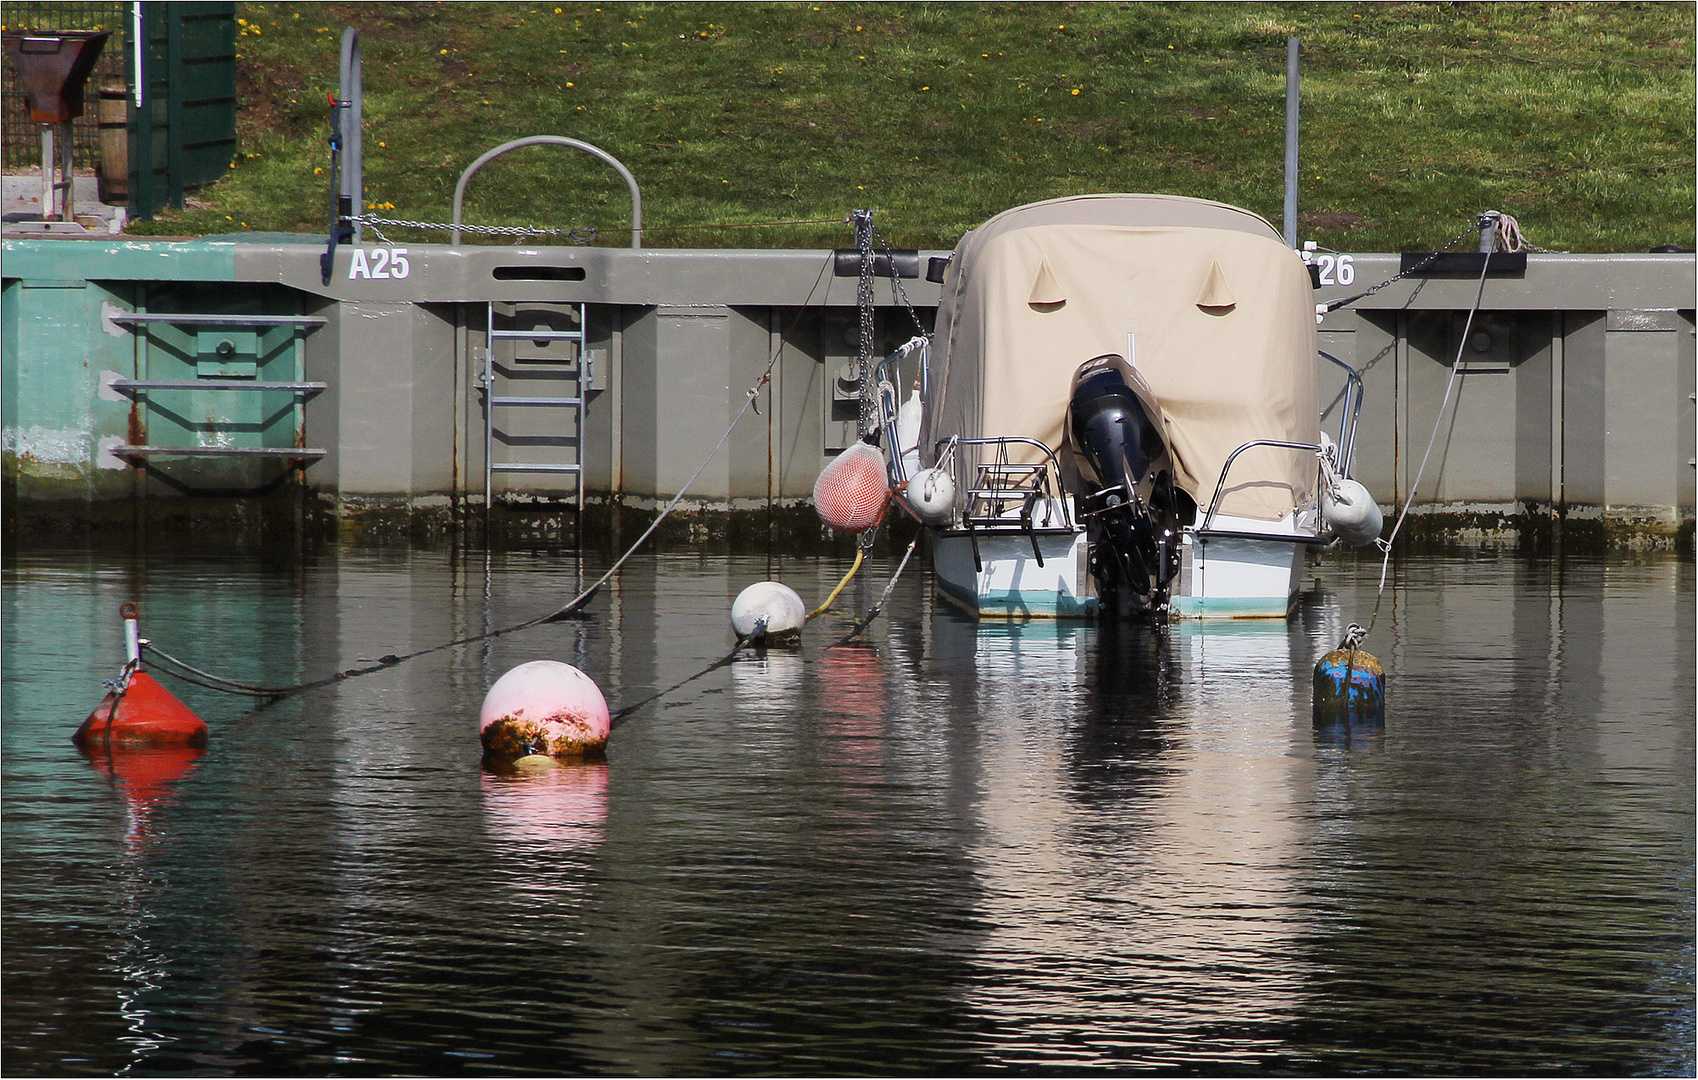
[1144,777]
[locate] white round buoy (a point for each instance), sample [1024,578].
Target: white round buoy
[544,707]
[1353,513]
[931,495]
[768,609]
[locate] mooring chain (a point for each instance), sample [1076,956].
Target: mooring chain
[586,234]
[1472,230]
[896,281]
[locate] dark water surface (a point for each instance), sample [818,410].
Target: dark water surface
[956,848]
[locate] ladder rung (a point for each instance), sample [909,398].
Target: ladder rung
[130,450]
[534,400]
[134,319]
[537,335]
[215,384]
[531,466]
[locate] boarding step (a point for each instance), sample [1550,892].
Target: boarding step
[183,319]
[570,402]
[532,466]
[223,358]
[307,388]
[537,335]
[301,453]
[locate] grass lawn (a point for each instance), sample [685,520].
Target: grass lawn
[1576,118]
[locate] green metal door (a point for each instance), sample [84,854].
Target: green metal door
[183,134]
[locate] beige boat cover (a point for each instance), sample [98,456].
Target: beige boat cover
[1222,320]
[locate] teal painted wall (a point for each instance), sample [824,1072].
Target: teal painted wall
[54,412]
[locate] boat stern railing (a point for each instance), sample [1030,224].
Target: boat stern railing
[1350,413]
[1205,530]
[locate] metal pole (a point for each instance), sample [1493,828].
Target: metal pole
[1291,94]
[352,96]
[47,166]
[68,172]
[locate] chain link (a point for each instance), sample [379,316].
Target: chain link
[864,301]
[896,283]
[1472,230]
[580,235]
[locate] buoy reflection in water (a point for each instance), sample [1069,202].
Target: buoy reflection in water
[146,777]
[540,804]
[768,681]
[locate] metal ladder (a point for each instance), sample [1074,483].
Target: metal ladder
[226,353]
[503,364]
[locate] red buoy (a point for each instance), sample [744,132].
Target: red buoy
[146,714]
[139,712]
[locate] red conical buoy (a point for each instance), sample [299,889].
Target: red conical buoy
[140,712]
[147,714]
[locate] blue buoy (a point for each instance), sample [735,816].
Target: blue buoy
[1350,686]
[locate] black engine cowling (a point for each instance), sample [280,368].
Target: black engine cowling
[1126,488]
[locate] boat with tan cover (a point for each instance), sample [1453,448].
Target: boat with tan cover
[1123,406]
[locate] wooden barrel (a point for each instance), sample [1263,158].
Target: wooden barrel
[113,114]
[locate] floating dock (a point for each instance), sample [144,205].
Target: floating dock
[167,381]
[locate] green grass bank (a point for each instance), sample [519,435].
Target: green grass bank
[1576,118]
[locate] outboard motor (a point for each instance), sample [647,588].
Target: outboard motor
[1133,511]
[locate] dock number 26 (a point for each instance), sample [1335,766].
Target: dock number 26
[1335,269]
[389,263]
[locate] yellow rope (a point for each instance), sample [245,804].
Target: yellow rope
[856,565]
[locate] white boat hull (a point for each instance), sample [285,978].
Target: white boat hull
[1007,581]
[1236,577]
[1219,577]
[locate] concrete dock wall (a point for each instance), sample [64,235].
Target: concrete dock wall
[1575,403]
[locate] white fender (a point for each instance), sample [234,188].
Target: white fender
[931,495]
[1352,512]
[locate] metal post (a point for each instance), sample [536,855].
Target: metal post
[1291,95]
[47,159]
[174,105]
[1488,223]
[351,91]
[68,171]
[132,632]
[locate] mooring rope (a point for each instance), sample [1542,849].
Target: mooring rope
[1385,544]
[571,609]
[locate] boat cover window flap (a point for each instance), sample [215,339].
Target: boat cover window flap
[1216,296]
[1046,291]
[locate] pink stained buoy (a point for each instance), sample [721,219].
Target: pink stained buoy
[544,707]
[850,493]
